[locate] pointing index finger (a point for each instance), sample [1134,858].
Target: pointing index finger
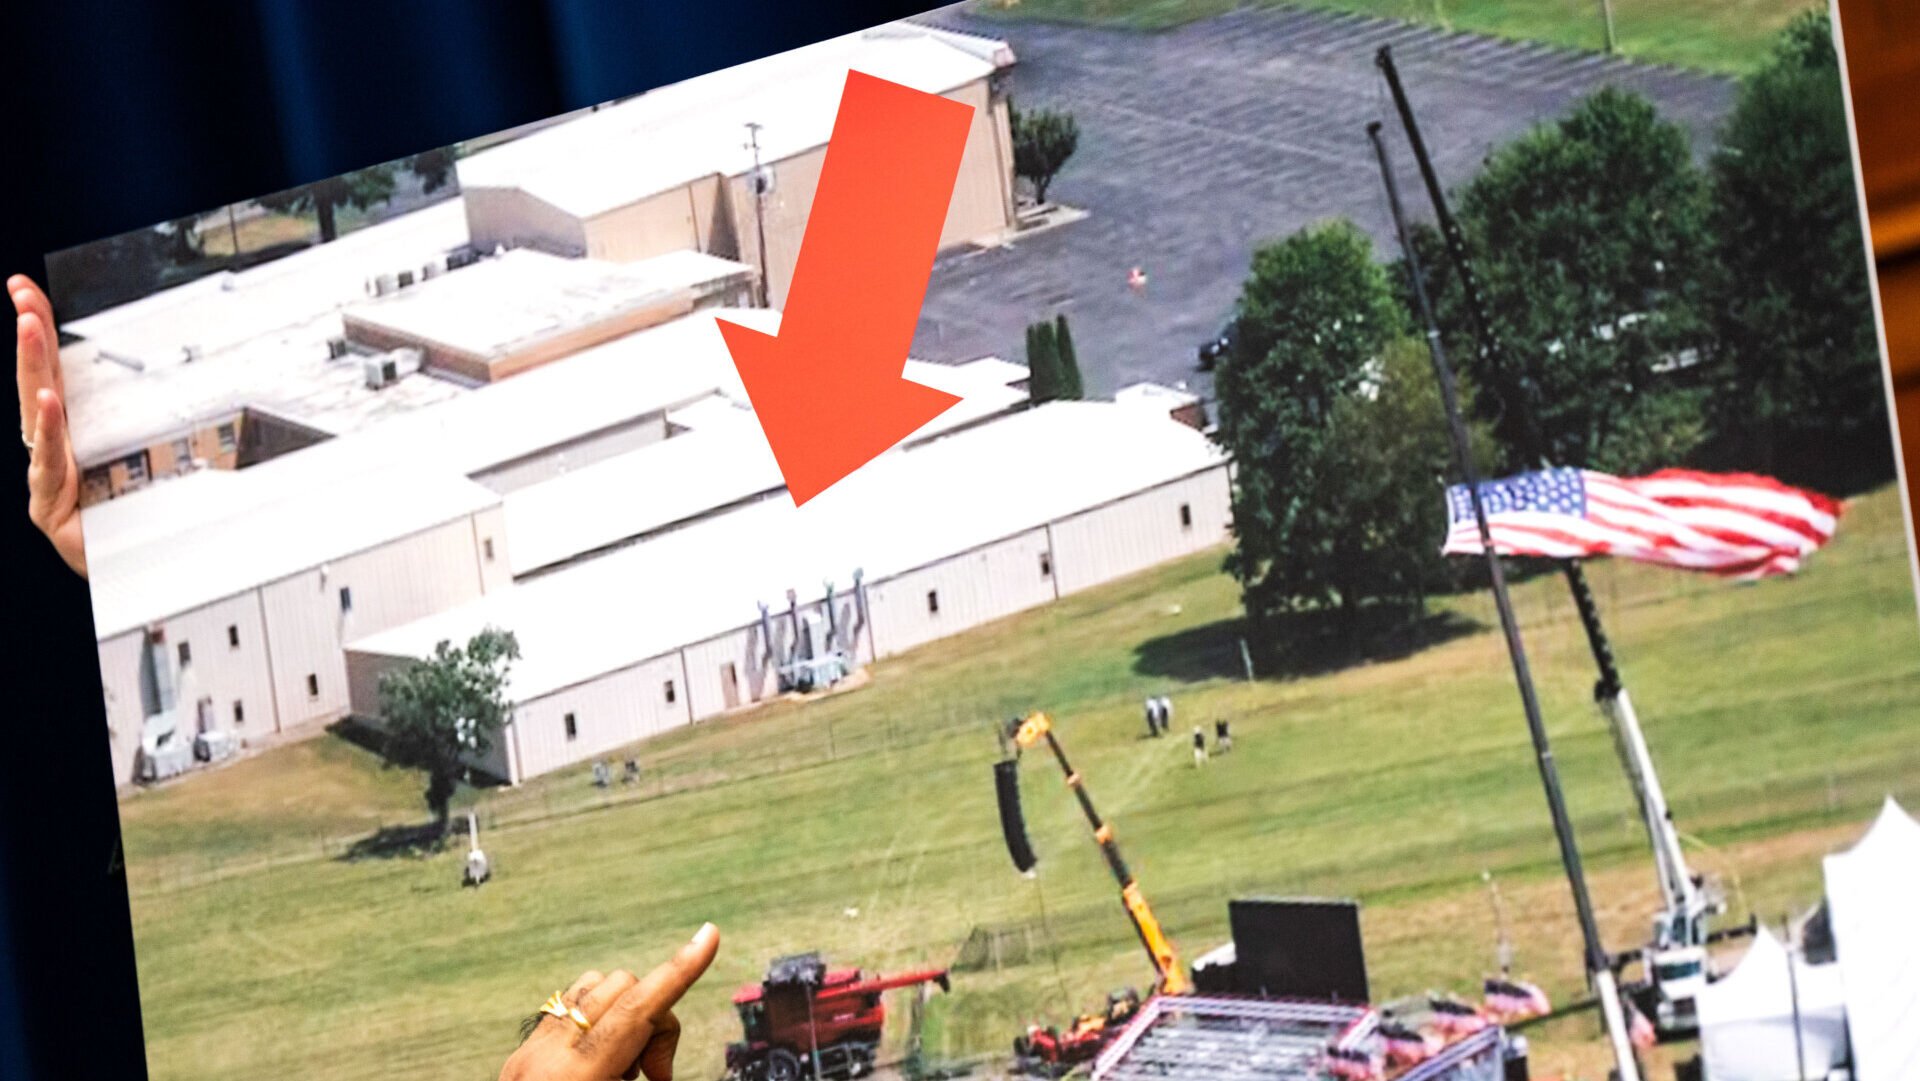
[620,1034]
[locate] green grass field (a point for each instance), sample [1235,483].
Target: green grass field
[863,824]
[1714,35]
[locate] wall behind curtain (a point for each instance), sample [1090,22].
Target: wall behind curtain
[118,115]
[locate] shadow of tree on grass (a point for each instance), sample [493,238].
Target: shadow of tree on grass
[1304,644]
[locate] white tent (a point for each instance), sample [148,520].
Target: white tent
[1873,892]
[1758,1019]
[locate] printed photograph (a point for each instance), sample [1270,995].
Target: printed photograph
[1413,584]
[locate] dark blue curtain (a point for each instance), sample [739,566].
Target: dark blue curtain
[119,115]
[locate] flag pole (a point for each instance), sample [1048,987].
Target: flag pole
[1687,907]
[1599,965]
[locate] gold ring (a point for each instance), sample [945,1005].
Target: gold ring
[565,1012]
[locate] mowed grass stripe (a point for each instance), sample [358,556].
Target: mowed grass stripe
[863,824]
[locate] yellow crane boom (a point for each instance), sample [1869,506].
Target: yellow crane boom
[1173,979]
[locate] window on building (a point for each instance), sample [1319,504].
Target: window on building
[671,696]
[933,602]
[136,464]
[346,599]
[182,455]
[1186,516]
[186,654]
[1046,564]
[486,546]
[233,636]
[573,727]
[229,437]
[313,685]
[239,712]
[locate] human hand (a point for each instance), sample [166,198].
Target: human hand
[632,1030]
[53,480]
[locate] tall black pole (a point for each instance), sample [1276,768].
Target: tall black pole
[1599,966]
[1520,395]
[1463,460]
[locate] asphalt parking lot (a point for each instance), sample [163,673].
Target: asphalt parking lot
[1198,143]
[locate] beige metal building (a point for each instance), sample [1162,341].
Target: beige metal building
[223,600]
[673,169]
[947,535]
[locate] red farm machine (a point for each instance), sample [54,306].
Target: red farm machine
[805,1020]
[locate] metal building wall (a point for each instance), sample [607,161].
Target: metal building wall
[512,218]
[395,583]
[1141,530]
[972,588]
[220,671]
[610,712]
[125,699]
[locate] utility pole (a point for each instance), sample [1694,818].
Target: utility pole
[1599,966]
[1606,15]
[760,211]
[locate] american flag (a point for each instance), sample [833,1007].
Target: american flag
[1736,525]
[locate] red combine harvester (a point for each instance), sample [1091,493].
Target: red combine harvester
[807,1020]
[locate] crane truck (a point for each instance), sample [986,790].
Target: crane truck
[1049,1050]
[805,1020]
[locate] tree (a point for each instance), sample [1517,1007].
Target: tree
[1313,317]
[1801,392]
[360,189]
[1389,457]
[1588,237]
[1045,380]
[1072,387]
[441,712]
[1042,143]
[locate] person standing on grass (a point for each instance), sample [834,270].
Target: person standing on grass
[1199,747]
[1222,738]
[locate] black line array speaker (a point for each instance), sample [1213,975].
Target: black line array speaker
[1006,782]
[1305,949]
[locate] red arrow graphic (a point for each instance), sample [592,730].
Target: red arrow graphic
[828,389]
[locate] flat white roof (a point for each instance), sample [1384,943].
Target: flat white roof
[647,372]
[722,461]
[261,338]
[523,296]
[134,585]
[625,152]
[906,509]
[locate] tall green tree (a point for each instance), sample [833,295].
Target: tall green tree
[1801,391]
[1389,458]
[1043,140]
[1072,386]
[1588,236]
[444,711]
[1313,317]
[361,189]
[1045,380]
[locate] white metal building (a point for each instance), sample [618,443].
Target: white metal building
[950,534]
[236,590]
[670,169]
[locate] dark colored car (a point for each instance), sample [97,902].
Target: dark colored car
[1216,347]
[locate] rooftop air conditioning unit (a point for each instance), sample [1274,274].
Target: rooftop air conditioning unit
[406,278]
[384,284]
[336,348]
[191,353]
[381,371]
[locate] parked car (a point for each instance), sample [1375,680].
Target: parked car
[1216,347]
